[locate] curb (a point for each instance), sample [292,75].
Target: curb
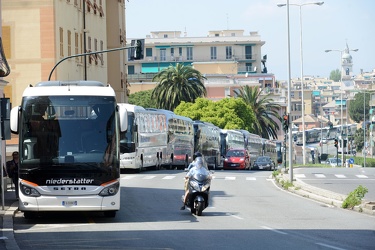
[331,198]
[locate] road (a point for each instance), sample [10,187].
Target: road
[339,180]
[247,211]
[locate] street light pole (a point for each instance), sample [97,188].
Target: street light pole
[290,142]
[364,129]
[302,91]
[341,103]
[302,82]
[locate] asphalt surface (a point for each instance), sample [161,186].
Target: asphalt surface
[9,206]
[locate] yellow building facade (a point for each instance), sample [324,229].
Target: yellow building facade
[38,34]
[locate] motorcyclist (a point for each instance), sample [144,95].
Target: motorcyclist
[196,154]
[198,166]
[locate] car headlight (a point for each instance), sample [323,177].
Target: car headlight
[110,190]
[242,159]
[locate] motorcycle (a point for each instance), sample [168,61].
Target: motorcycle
[199,182]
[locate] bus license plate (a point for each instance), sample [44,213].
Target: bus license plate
[69,203]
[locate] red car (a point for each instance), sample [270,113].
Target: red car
[237,159]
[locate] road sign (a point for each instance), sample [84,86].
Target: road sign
[351,161]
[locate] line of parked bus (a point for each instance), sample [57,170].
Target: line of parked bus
[159,138]
[317,134]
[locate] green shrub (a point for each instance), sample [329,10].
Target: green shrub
[355,197]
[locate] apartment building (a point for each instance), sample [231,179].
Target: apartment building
[39,34]
[228,59]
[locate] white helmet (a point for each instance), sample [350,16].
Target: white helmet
[199,163]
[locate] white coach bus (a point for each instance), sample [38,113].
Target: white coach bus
[144,144]
[68,147]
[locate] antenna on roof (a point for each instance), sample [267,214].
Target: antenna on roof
[227,22]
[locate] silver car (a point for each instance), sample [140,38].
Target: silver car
[334,162]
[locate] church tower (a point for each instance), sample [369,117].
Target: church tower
[346,64]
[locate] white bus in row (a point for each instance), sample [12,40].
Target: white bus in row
[180,140]
[155,138]
[144,144]
[207,142]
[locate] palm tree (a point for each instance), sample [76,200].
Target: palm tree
[177,84]
[266,111]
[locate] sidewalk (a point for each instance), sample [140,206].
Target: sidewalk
[7,211]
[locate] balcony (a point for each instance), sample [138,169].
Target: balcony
[146,77]
[201,58]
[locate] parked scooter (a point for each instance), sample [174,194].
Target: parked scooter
[198,185]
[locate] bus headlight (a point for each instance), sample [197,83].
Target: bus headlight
[110,190]
[29,191]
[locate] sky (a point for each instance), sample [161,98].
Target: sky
[333,25]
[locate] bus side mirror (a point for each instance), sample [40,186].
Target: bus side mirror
[123,115]
[14,119]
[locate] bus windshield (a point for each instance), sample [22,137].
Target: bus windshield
[68,131]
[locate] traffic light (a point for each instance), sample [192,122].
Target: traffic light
[137,49]
[336,143]
[285,122]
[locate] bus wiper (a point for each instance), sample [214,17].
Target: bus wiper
[92,165]
[33,169]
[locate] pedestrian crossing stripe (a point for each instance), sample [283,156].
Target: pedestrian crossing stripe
[169,177]
[251,178]
[233,178]
[320,176]
[361,176]
[340,176]
[128,177]
[149,177]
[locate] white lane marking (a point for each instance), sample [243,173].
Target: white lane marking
[361,176]
[128,177]
[169,177]
[329,246]
[320,176]
[341,176]
[230,178]
[49,226]
[235,216]
[274,230]
[149,177]
[300,175]
[251,178]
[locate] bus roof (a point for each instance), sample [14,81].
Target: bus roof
[57,88]
[130,107]
[170,114]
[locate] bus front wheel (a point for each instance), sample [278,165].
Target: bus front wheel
[29,215]
[110,214]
